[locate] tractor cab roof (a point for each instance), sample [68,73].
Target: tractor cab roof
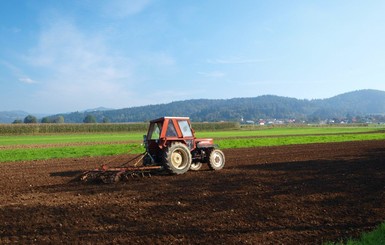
[161,119]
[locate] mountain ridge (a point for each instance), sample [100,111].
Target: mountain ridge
[350,104]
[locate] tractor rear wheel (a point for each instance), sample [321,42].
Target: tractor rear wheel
[216,159]
[177,158]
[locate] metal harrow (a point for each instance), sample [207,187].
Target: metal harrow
[108,175]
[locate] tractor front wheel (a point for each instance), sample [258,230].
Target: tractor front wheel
[195,166]
[177,158]
[216,159]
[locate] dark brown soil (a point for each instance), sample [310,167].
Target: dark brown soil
[301,194]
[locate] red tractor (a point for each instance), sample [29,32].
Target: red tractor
[171,143]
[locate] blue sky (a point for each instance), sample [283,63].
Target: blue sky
[63,56]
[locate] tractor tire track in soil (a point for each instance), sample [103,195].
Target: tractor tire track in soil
[298,194]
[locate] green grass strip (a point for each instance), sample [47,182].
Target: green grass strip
[68,138]
[291,140]
[376,236]
[69,152]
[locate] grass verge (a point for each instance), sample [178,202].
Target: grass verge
[376,236]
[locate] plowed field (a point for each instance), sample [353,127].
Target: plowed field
[300,194]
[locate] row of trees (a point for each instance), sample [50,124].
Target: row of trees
[57,119]
[315,119]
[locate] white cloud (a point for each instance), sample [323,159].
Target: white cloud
[78,69]
[17,72]
[27,80]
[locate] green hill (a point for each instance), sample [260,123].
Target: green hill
[357,103]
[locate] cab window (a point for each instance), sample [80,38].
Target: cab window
[155,131]
[185,128]
[171,132]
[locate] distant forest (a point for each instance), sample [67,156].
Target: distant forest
[357,104]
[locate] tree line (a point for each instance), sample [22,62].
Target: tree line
[57,119]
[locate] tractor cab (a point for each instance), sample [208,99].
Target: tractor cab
[166,129]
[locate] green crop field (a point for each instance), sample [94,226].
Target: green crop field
[285,131]
[138,136]
[46,146]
